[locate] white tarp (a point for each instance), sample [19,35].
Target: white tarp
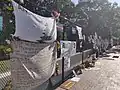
[68,48]
[33,27]
[31,64]
[79,29]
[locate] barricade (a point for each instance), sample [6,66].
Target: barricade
[74,61]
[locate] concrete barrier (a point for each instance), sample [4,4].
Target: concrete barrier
[86,53]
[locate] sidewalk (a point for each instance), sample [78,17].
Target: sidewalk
[104,76]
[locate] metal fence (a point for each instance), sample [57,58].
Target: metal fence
[4,73]
[74,61]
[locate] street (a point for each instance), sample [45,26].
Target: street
[104,76]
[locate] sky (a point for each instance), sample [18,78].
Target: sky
[118,1]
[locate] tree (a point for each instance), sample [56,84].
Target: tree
[99,16]
[6,11]
[103,17]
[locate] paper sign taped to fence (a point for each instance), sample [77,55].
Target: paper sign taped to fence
[31,64]
[73,49]
[68,49]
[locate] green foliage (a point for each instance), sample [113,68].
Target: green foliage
[99,16]
[6,49]
[6,11]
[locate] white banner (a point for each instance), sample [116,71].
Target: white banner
[31,64]
[33,27]
[68,49]
[79,29]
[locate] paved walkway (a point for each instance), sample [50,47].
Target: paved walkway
[104,76]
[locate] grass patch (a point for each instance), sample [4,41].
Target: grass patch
[4,66]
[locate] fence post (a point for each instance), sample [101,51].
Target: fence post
[50,86]
[63,59]
[82,56]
